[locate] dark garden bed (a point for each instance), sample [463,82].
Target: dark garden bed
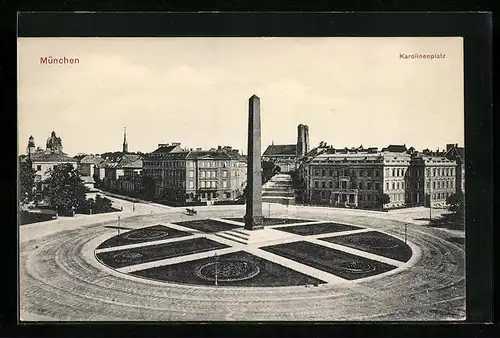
[375,242]
[121,258]
[208,225]
[152,233]
[336,262]
[234,269]
[317,229]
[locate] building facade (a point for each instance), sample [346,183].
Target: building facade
[355,177]
[432,179]
[358,177]
[287,156]
[43,161]
[196,175]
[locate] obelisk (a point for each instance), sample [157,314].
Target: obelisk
[253,216]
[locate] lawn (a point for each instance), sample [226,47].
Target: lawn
[208,225]
[336,262]
[152,233]
[121,258]
[273,221]
[270,274]
[317,229]
[375,242]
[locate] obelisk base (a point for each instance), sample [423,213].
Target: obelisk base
[254,223]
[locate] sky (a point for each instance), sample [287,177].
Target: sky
[349,91]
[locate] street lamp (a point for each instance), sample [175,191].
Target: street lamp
[118,228]
[406,230]
[216,268]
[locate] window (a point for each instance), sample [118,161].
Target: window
[191,184]
[323,172]
[330,172]
[377,173]
[386,185]
[393,186]
[224,184]
[316,172]
[393,172]
[369,173]
[397,185]
[369,186]
[361,186]
[224,173]
[361,172]
[428,172]
[316,184]
[323,184]
[202,184]
[434,172]
[202,164]
[191,174]
[377,186]
[331,184]
[428,184]
[434,185]
[38,167]
[451,184]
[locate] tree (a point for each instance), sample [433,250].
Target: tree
[64,188]
[456,203]
[26,181]
[383,199]
[148,188]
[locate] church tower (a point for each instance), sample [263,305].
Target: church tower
[125,144]
[31,147]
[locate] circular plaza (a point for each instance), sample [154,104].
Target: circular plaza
[306,264]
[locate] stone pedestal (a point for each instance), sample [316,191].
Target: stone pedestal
[253,216]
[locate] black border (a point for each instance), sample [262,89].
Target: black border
[476,28]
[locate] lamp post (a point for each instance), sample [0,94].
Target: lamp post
[216,268]
[430,201]
[406,230]
[118,228]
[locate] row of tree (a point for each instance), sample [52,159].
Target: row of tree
[63,191]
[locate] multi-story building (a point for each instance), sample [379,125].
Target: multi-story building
[196,175]
[432,179]
[43,161]
[286,156]
[356,176]
[455,153]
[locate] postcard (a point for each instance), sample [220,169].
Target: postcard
[241,179]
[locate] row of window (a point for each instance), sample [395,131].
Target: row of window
[440,195]
[345,172]
[208,184]
[394,185]
[347,185]
[440,185]
[440,171]
[208,174]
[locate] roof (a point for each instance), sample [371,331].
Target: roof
[205,154]
[281,149]
[396,148]
[91,159]
[455,153]
[165,149]
[52,157]
[130,161]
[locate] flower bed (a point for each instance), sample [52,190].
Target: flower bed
[268,274]
[375,242]
[336,262]
[317,229]
[121,258]
[141,236]
[273,221]
[208,225]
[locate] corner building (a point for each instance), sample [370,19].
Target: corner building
[196,175]
[356,177]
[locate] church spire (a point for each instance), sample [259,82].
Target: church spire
[125,144]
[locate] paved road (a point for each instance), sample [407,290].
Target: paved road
[61,280]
